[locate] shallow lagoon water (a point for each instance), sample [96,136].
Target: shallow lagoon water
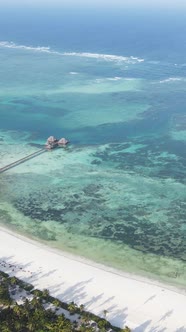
[117,193]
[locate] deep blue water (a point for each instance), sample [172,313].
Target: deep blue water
[154,35]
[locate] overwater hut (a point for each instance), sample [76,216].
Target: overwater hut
[51,142]
[62,142]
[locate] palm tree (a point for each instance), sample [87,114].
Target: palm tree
[17,310]
[62,324]
[31,326]
[72,307]
[4,294]
[61,321]
[17,325]
[13,280]
[83,328]
[105,312]
[57,303]
[46,294]
[37,293]
[126,329]
[86,318]
[26,303]
[36,302]
[6,329]
[82,307]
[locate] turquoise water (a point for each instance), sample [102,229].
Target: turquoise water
[117,193]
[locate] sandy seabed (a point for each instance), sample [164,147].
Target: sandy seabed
[142,304]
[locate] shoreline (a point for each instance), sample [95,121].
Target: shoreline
[94,264]
[140,303]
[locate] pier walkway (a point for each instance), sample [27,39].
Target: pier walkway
[22,160]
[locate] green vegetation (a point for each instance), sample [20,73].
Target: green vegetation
[5,298]
[31,316]
[33,313]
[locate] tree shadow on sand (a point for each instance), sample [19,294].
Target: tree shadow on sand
[150,298]
[181,329]
[76,293]
[166,315]
[8,265]
[158,329]
[117,316]
[142,327]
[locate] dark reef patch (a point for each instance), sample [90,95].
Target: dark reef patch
[86,212]
[160,158]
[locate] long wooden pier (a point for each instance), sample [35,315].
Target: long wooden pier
[22,160]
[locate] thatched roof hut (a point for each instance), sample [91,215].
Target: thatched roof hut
[51,142]
[63,142]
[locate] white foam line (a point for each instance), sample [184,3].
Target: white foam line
[29,48]
[107,57]
[101,80]
[172,79]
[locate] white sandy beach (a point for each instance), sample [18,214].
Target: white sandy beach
[143,305]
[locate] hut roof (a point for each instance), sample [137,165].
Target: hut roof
[62,141]
[51,139]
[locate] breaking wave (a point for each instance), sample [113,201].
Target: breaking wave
[106,57]
[101,80]
[28,48]
[172,79]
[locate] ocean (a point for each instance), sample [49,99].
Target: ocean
[113,84]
